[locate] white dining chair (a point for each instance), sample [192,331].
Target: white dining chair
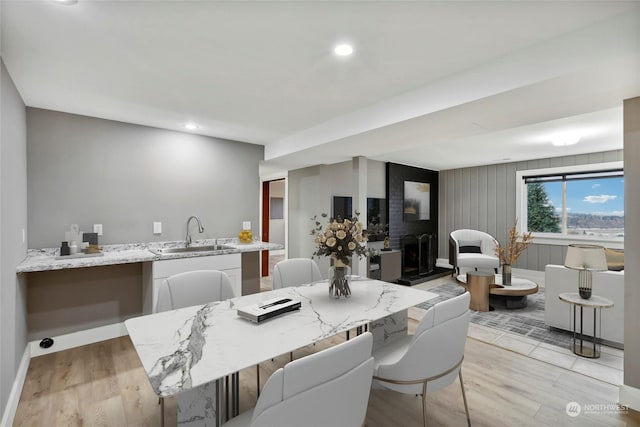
[431,358]
[193,288]
[196,287]
[328,388]
[295,272]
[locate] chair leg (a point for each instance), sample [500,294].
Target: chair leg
[162,412]
[424,404]
[258,380]
[464,398]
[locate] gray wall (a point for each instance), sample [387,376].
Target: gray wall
[484,198]
[632,244]
[13,220]
[84,170]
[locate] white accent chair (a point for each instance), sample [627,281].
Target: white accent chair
[328,388]
[472,250]
[431,358]
[197,287]
[295,272]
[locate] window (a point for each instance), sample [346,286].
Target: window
[573,203]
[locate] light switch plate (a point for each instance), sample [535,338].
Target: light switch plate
[97,228]
[157,227]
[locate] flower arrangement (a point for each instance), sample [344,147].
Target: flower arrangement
[515,246]
[340,238]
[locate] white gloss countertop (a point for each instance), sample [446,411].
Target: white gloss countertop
[46,259]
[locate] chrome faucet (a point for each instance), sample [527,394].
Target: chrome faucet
[187,240]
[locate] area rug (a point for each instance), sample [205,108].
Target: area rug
[528,321]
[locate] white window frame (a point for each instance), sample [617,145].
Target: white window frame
[557,238]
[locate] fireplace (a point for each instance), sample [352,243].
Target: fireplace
[418,255]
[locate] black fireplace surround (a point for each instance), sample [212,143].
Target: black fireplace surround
[418,255]
[418,240]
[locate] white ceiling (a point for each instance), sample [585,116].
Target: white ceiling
[438,85]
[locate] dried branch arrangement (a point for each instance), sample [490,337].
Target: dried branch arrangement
[515,246]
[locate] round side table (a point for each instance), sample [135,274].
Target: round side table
[580,340]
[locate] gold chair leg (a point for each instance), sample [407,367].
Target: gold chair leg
[424,404]
[464,398]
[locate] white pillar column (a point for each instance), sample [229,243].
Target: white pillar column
[360,266]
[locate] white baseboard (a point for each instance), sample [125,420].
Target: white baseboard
[443,262]
[630,397]
[62,342]
[80,338]
[16,389]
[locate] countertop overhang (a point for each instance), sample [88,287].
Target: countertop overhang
[46,259]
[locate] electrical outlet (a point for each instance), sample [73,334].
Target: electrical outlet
[97,228]
[157,227]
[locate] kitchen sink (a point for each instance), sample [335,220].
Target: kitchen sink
[189,249]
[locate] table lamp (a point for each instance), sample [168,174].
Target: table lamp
[585,259]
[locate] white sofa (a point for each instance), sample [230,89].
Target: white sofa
[608,284]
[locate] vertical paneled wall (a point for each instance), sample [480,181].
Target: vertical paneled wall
[484,198]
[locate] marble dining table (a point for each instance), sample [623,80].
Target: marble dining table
[187,352]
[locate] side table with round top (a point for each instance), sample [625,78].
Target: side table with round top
[515,294]
[578,345]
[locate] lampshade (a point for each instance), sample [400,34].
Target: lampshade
[591,257]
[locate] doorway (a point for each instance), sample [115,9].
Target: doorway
[273,220]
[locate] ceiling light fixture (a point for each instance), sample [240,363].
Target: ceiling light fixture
[343,49]
[191,126]
[67,2]
[566,138]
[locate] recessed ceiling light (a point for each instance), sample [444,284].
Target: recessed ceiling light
[566,138]
[343,50]
[191,126]
[67,2]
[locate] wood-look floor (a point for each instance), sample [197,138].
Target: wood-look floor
[104,384]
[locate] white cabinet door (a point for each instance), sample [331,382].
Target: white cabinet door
[231,264]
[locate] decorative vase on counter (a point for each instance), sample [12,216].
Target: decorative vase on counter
[64,249]
[506,274]
[339,279]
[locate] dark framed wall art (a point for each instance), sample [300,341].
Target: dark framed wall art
[417,201]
